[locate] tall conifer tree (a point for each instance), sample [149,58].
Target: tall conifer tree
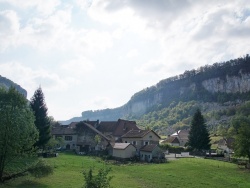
[198,138]
[42,121]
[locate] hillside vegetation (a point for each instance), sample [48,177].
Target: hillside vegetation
[219,90]
[6,84]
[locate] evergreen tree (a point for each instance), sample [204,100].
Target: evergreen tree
[198,138]
[42,120]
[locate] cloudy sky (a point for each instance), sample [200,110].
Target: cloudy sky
[95,54]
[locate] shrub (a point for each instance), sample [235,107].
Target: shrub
[101,180]
[41,169]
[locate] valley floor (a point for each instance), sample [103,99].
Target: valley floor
[186,172]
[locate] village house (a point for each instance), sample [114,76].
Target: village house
[179,138]
[226,145]
[150,152]
[67,135]
[122,138]
[115,129]
[140,138]
[123,151]
[172,141]
[82,137]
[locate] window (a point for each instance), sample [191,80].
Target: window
[58,136]
[146,143]
[134,142]
[68,138]
[150,136]
[126,141]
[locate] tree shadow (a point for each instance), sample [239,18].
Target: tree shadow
[31,184]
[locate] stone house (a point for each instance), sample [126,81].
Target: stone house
[123,150]
[150,152]
[172,141]
[84,139]
[226,145]
[139,138]
[115,129]
[182,136]
[66,134]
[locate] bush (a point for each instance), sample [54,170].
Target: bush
[41,169]
[173,149]
[101,180]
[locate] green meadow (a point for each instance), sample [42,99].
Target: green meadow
[188,172]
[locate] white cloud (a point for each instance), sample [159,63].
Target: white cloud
[100,102]
[154,40]
[132,53]
[9,28]
[43,7]
[30,79]
[78,66]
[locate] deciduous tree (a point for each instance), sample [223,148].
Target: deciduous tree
[17,130]
[242,139]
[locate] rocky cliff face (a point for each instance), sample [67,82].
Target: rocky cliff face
[137,107]
[233,84]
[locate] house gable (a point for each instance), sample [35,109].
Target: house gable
[123,150]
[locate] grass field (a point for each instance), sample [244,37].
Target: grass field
[189,172]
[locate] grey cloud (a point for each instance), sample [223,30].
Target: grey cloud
[162,12]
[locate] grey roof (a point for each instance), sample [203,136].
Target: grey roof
[121,145]
[148,148]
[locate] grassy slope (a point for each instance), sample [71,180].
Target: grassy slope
[178,173]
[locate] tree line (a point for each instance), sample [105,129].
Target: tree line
[25,128]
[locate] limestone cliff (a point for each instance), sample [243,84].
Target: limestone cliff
[220,82]
[232,84]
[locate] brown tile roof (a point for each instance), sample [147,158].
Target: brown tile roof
[93,123]
[117,128]
[135,134]
[148,148]
[138,134]
[123,126]
[121,145]
[96,131]
[107,126]
[171,139]
[63,130]
[70,129]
